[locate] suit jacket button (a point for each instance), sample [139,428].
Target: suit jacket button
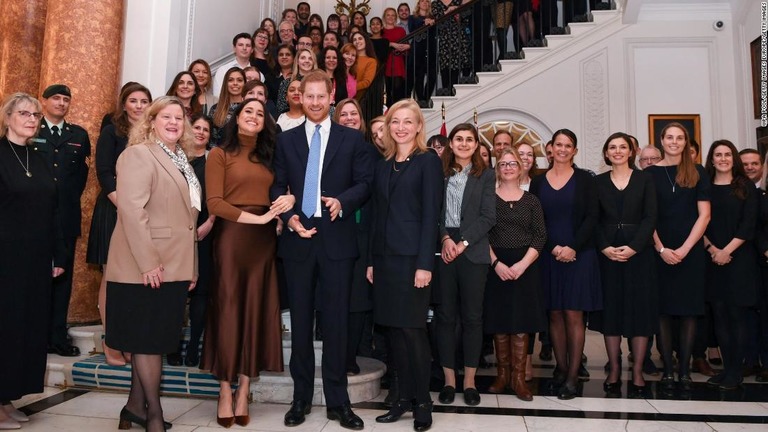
[191,227]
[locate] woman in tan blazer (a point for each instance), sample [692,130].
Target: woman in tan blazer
[152,256]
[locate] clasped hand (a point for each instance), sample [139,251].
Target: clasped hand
[564,253]
[619,254]
[507,273]
[451,250]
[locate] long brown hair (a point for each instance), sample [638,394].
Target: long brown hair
[739,182]
[450,166]
[225,99]
[120,118]
[687,176]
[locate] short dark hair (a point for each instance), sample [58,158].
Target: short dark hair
[568,133]
[241,36]
[404,4]
[628,139]
[285,12]
[749,151]
[302,4]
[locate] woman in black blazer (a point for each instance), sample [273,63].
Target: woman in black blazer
[406,203]
[468,213]
[627,218]
[570,273]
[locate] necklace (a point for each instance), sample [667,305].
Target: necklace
[669,178]
[26,168]
[395,162]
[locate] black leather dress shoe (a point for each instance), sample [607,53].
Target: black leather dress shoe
[471,396]
[64,350]
[394,414]
[447,395]
[297,414]
[345,416]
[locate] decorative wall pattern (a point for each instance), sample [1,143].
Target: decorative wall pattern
[595,108]
[21,45]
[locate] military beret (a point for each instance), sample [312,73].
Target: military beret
[57,89]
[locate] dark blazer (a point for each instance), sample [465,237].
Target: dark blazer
[405,212]
[637,218]
[478,215]
[347,175]
[585,210]
[66,156]
[108,149]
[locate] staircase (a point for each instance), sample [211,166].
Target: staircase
[492,86]
[91,371]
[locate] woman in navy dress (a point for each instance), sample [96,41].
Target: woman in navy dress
[570,272]
[682,194]
[732,285]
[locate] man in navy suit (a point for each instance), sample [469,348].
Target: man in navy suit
[328,168]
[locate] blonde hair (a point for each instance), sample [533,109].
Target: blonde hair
[10,104]
[515,156]
[143,131]
[353,101]
[296,70]
[420,142]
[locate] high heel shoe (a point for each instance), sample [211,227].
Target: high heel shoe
[127,418]
[242,420]
[114,357]
[225,422]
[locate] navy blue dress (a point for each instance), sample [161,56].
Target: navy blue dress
[574,285]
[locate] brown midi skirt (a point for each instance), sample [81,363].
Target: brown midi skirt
[242,332]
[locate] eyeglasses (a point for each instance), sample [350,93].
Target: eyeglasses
[285,31]
[650,159]
[26,115]
[512,164]
[262,37]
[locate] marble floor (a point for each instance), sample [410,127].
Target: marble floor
[704,409]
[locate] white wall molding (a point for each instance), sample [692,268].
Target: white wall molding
[595,108]
[684,12]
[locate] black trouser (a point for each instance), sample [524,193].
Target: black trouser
[547,17]
[355,326]
[60,294]
[449,77]
[395,89]
[198,302]
[462,286]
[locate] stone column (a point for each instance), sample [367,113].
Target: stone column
[82,49]
[21,45]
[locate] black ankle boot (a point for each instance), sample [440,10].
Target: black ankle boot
[394,414]
[501,40]
[394,390]
[422,417]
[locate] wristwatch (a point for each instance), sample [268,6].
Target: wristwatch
[465,243]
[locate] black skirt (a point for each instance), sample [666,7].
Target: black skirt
[144,320]
[516,306]
[396,301]
[102,224]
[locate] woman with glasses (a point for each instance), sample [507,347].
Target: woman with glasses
[514,306]
[30,252]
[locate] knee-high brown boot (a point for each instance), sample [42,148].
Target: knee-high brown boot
[501,344]
[519,348]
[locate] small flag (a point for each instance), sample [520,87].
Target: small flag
[443,128]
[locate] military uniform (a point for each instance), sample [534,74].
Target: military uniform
[65,149]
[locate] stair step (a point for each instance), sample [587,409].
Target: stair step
[466,89]
[579,28]
[532,53]
[276,387]
[555,41]
[601,16]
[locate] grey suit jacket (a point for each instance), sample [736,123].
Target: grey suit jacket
[478,215]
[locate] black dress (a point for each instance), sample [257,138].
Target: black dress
[27,246]
[627,218]
[737,282]
[681,286]
[516,306]
[108,148]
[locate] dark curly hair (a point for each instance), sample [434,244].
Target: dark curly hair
[264,150]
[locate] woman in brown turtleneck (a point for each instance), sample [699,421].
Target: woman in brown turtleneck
[242,335]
